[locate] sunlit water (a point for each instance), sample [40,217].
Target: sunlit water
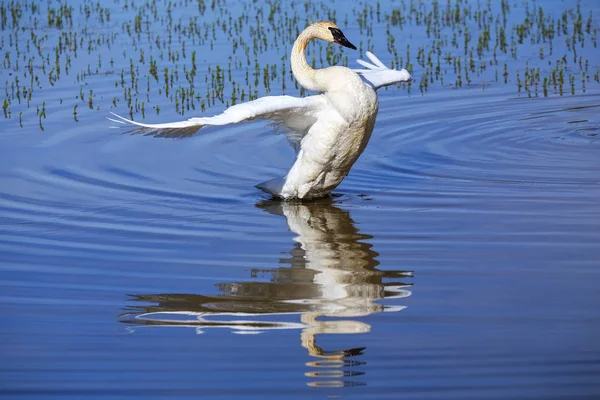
[459,259]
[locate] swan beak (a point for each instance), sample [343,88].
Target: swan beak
[339,38]
[344,42]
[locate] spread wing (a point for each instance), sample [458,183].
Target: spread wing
[295,115]
[378,75]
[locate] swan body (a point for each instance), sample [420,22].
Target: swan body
[329,131]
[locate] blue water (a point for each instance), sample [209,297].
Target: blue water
[459,259]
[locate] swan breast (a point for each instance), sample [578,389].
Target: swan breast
[347,92]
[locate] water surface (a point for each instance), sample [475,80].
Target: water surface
[459,259]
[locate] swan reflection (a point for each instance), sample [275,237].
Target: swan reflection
[330,272]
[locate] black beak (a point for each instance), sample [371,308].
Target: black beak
[339,38]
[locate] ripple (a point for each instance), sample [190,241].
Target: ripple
[497,140]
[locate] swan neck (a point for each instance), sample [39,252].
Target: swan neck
[304,73]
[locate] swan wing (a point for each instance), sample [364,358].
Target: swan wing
[377,75]
[295,115]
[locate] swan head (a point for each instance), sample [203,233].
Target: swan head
[330,32]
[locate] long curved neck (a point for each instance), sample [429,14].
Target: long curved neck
[304,74]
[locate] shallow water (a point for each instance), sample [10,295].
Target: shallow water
[459,259]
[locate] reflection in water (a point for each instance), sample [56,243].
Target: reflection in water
[331,272]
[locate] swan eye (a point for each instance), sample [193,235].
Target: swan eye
[339,38]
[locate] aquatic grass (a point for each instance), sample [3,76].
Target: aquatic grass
[157,51]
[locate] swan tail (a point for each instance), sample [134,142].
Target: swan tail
[273,186]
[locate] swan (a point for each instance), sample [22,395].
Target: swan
[328,131]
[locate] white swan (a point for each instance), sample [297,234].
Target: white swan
[329,131]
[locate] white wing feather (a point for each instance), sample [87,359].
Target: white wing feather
[378,75]
[295,114]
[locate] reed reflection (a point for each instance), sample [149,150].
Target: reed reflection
[331,272]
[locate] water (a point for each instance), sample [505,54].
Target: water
[459,259]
